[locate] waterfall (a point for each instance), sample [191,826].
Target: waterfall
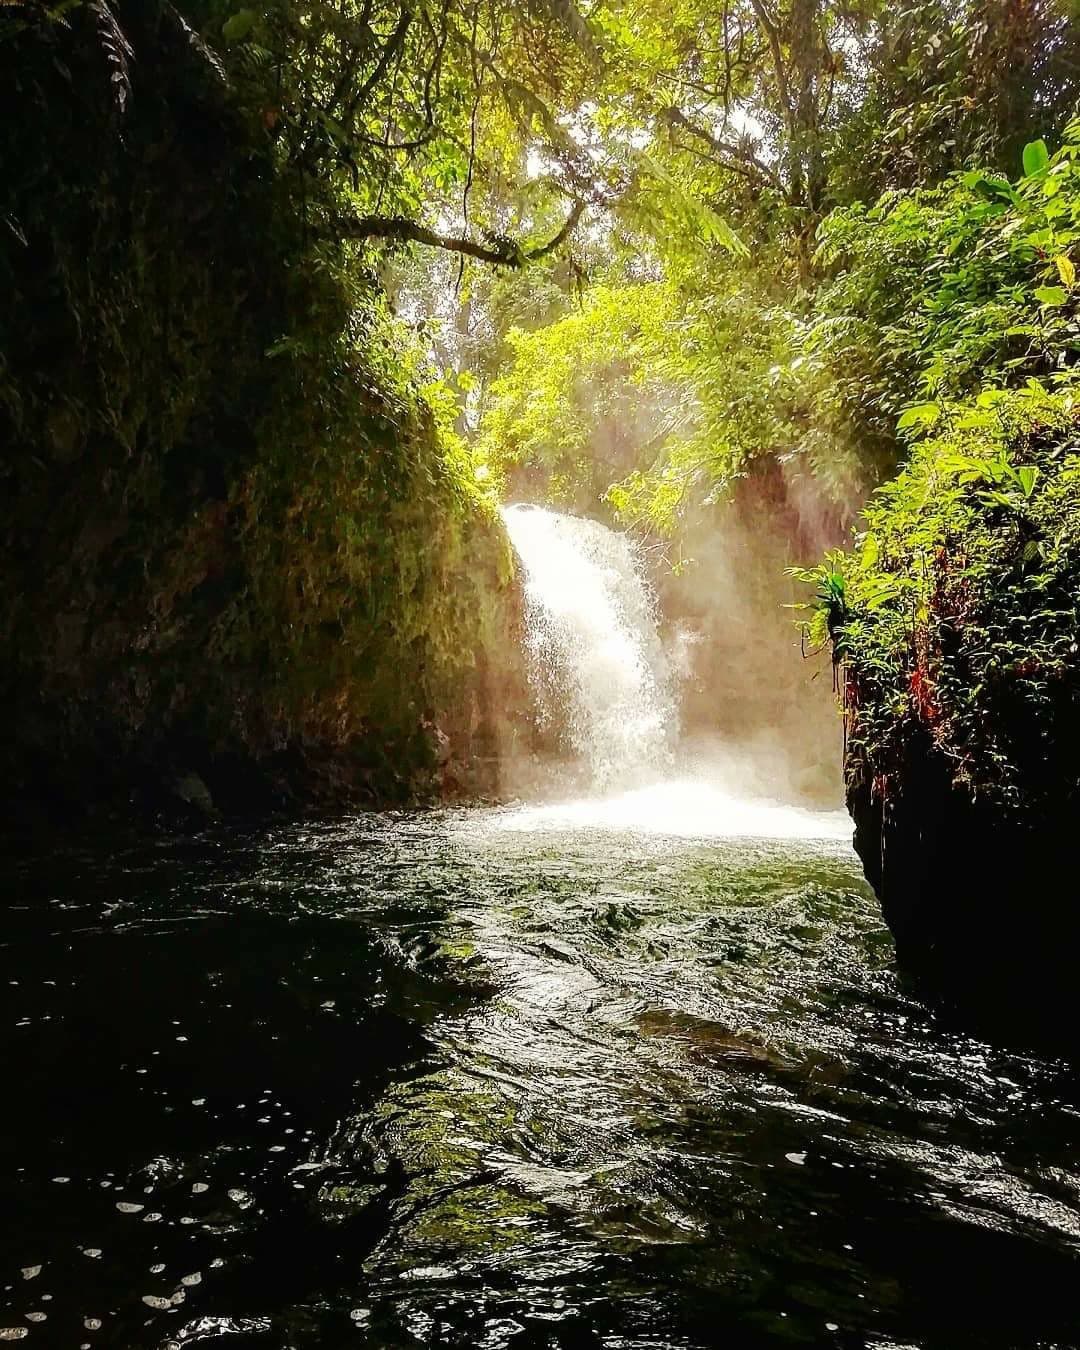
[595,657]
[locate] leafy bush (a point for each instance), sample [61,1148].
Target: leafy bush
[582,397]
[652,397]
[940,293]
[956,614]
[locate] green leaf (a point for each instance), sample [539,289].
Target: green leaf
[236,28]
[992,188]
[976,419]
[664,195]
[1050,295]
[919,415]
[1066,270]
[880,594]
[1027,474]
[1036,158]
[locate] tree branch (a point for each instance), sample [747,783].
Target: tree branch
[772,34]
[739,158]
[502,252]
[396,38]
[572,219]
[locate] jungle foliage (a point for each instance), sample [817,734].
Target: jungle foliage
[293,289]
[791,124]
[956,615]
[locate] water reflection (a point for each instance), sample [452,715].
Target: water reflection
[508,1078]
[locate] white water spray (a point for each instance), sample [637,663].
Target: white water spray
[592,640]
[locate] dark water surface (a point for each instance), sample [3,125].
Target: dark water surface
[488,1079]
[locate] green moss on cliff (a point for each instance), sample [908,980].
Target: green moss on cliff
[233,531]
[955,619]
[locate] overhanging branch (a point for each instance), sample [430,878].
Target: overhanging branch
[571,220]
[729,155]
[502,252]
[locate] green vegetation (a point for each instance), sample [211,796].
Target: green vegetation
[239,528]
[292,291]
[771,342]
[956,614]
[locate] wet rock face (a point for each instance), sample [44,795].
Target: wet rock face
[228,584]
[982,903]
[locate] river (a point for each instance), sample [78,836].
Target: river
[518,1077]
[631,1070]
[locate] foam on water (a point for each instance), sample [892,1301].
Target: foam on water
[686,808]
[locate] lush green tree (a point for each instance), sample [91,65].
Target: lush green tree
[955,615]
[949,86]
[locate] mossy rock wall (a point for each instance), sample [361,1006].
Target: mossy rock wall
[955,627]
[233,541]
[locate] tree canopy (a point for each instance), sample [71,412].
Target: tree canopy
[670,252]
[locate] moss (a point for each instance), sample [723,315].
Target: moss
[235,534]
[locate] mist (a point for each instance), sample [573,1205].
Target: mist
[642,674]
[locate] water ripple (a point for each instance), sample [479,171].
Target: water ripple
[588,1076]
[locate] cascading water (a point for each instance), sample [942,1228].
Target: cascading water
[595,655]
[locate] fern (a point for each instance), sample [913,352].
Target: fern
[117,50]
[120,55]
[197,44]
